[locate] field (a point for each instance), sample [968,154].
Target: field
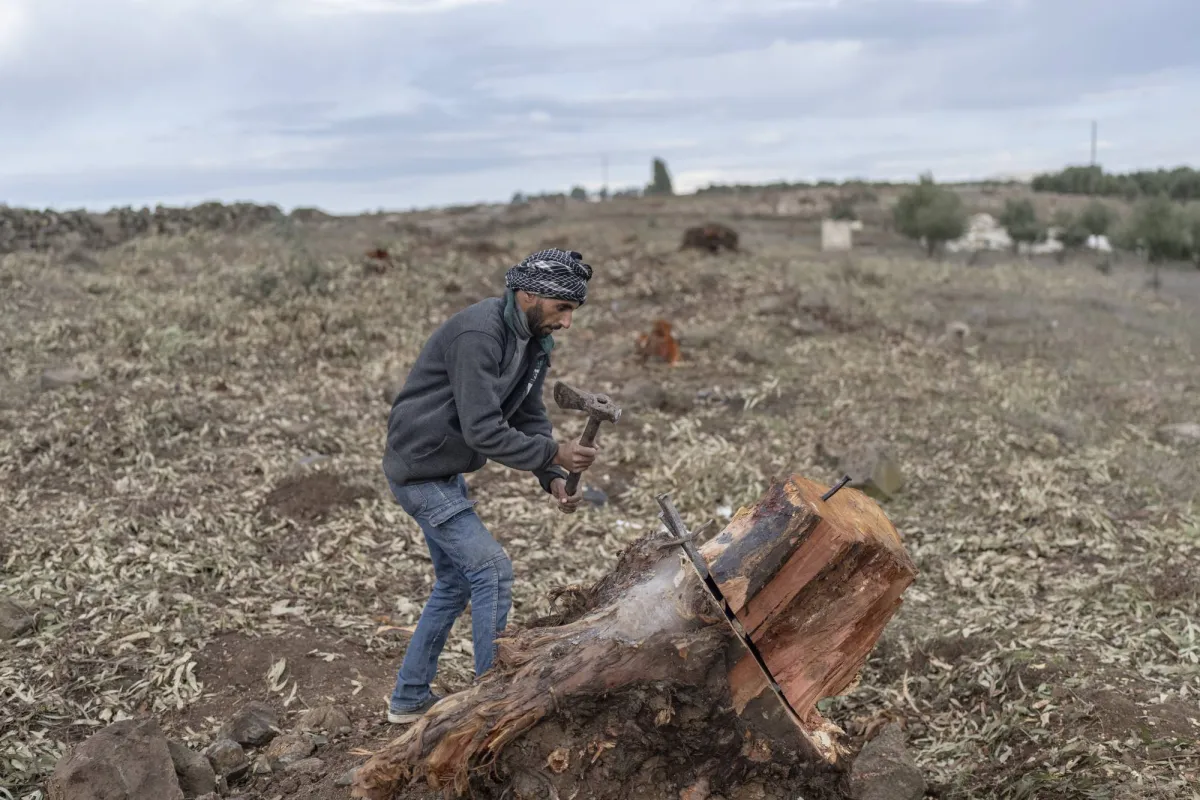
[199,519]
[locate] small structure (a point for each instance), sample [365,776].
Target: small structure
[836,234]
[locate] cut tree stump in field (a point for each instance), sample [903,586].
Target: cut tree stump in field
[642,684]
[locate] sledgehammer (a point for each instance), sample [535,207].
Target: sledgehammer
[599,409]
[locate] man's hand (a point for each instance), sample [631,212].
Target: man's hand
[565,504]
[574,457]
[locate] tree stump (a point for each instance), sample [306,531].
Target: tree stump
[640,688]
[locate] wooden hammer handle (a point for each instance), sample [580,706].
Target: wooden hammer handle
[587,440]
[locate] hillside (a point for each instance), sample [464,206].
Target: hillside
[193,491]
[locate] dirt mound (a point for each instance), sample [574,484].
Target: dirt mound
[712,237]
[310,498]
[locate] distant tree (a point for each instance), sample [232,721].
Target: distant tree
[1193,219]
[1097,218]
[931,214]
[843,208]
[1072,233]
[518,198]
[578,193]
[661,179]
[1019,218]
[1181,183]
[1159,229]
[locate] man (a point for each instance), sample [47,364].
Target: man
[474,394]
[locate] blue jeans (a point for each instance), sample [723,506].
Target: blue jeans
[468,565]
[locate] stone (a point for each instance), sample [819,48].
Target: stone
[327,718]
[697,791]
[750,791]
[227,757]
[347,777]
[884,771]
[595,497]
[307,766]
[807,326]
[14,619]
[255,725]
[195,774]
[62,377]
[651,395]
[289,748]
[1180,434]
[128,760]
[262,765]
[872,470]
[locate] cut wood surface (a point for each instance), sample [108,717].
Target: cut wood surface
[813,582]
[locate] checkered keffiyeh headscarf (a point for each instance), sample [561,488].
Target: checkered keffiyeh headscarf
[559,274]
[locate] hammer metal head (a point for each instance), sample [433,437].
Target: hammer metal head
[596,405]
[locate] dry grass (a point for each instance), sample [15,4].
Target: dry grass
[1050,647]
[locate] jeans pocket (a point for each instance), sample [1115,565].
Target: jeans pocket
[445,499]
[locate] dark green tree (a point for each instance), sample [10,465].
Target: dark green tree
[660,182]
[843,208]
[578,193]
[1097,218]
[1019,218]
[1158,228]
[1072,233]
[931,214]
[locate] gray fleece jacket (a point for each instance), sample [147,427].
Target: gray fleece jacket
[463,403]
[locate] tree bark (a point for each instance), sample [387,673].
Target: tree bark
[642,685]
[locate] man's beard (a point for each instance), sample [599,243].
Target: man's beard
[537,321]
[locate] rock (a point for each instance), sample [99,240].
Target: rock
[594,496]
[775,304]
[128,760]
[262,765]
[884,771]
[347,777]
[644,394]
[697,791]
[327,718]
[254,725]
[63,377]
[307,766]
[195,774]
[873,471]
[1180,434]
[227,757]
[320,739]
[807,326]
[14,619]
[653,396]
[289,748]
[750,791]
[210,796]
[957,330]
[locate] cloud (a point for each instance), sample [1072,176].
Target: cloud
[387,6]
[352,104]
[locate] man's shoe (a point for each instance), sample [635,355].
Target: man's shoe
[406,716]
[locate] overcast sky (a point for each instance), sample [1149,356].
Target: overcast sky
[361,104]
